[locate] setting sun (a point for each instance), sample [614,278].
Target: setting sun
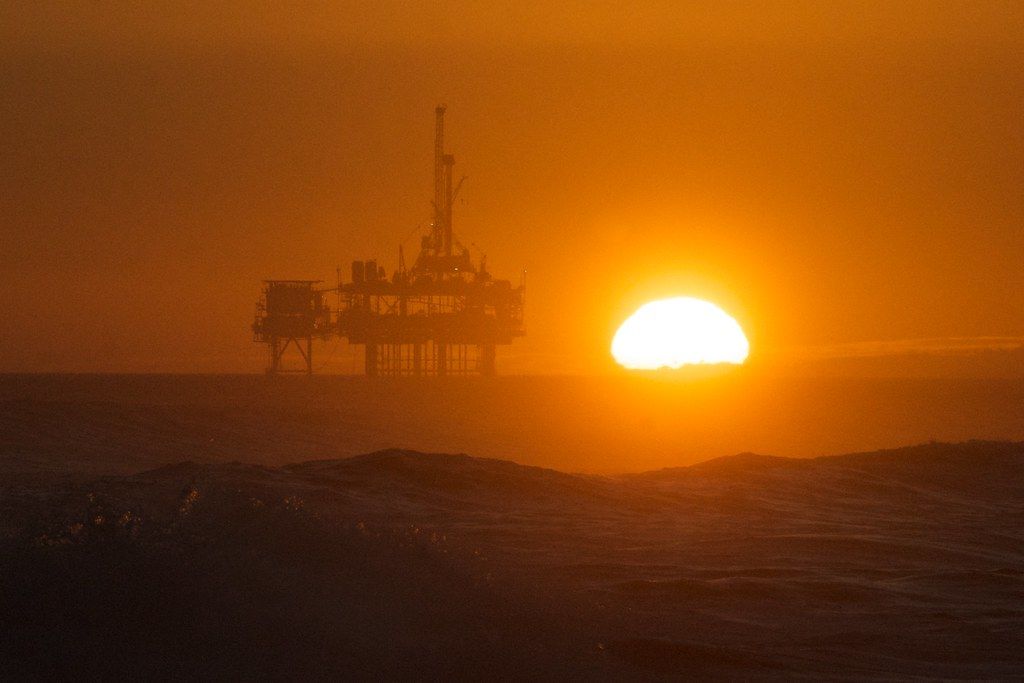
[670,333]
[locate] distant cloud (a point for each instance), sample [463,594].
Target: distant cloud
[938,346]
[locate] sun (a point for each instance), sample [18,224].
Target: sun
[670,333]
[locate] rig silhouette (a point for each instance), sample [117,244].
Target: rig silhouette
[443,316]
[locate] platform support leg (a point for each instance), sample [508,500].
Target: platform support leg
[371,359]
[442,359]
[488,360]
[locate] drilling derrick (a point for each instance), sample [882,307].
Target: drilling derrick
[443,316]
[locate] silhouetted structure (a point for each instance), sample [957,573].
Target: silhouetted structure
[291,312]
[443,316]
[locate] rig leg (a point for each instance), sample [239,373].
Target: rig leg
[442,359]
[488,360]
[371,359]
[275,356]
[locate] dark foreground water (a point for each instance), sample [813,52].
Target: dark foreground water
[120,560]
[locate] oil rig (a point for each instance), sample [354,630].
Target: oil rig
[441,316]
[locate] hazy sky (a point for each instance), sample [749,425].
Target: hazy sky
[845,178]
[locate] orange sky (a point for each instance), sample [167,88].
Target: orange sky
[846,181]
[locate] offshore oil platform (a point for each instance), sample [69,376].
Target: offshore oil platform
[443,316]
